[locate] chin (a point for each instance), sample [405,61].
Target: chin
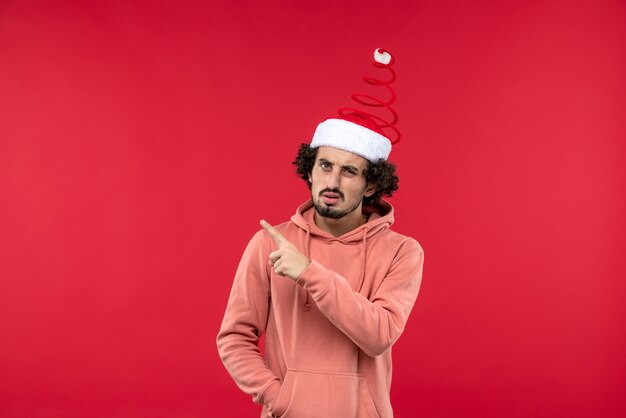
[329,211]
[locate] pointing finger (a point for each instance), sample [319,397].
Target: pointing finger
[280,240]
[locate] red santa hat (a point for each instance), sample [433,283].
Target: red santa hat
[361,132]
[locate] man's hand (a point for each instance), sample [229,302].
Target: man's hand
[287,260]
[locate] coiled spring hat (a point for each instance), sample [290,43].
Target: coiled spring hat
[361,132]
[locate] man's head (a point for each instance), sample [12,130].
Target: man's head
[345,166]
[341,181]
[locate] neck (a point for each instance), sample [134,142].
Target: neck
[338,227]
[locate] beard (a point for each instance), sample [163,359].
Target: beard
[333,213]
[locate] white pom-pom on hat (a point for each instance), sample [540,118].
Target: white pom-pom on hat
[382,56]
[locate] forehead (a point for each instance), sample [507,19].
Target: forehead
[340,157]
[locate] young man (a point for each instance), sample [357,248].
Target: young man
[331,289]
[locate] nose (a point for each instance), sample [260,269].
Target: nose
[332,179]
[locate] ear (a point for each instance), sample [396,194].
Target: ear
[369,190]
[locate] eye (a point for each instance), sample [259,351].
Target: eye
[349,172]
[325,165]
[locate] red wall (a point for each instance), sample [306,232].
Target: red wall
[141,142]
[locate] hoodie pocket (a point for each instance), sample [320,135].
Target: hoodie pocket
[310,394]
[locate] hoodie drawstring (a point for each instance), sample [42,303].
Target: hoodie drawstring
[307,251]
[363,260]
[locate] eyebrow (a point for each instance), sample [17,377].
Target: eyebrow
[345,167]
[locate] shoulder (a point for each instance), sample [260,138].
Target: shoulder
[408,255]
[403,243]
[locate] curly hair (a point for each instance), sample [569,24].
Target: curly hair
[381,174]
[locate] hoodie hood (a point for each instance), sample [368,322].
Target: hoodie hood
[380,217]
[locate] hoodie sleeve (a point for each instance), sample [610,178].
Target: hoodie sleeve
[376,323]
[244,322]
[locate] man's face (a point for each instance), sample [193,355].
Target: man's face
[338,183]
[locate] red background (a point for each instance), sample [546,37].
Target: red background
[141,142]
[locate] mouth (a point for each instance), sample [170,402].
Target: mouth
[331,198]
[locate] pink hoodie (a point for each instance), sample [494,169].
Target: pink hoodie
[328,337]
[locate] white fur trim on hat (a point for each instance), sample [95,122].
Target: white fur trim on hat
[351,137]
